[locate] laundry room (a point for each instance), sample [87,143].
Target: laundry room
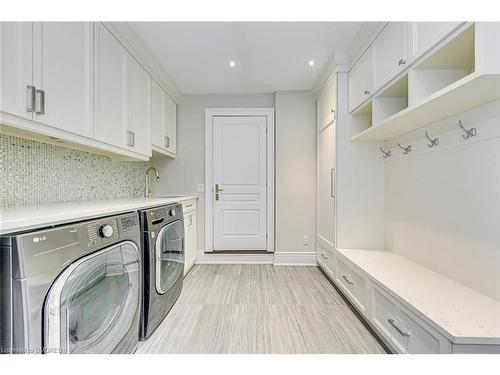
[221,183]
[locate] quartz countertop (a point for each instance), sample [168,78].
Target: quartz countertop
[22,218]
[465,315]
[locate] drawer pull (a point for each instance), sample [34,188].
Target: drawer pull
[349,281]
[392,322]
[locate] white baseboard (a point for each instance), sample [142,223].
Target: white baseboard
[217,258]
[279,259]
[295,258]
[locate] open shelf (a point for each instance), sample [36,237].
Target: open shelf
[447,65]
[390,101]
[467,93]
[362,119]
[441,84]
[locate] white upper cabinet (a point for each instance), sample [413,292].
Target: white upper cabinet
[390,52]
[163,121]
[62,75]
[424,35]
[157,116]
[327,106]
[139,108]
[123,96]
[110,88]
[16,90]
[171,126]
[361,79]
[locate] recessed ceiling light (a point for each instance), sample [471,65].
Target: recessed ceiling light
[232,64]
[311,62]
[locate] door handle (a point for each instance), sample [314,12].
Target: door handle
[131,138]
[332,182]
[40,103]
[30,98]
[167,142]
[217,191]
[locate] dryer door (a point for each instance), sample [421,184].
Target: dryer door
[169,256]
[93,304]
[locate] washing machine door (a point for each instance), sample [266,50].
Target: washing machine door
[92,305]
[169,251]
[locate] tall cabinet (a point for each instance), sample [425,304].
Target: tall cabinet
[326,164]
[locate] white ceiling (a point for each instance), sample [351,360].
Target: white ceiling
[269,56]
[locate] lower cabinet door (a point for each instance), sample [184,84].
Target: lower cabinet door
[404,331]
[190,240]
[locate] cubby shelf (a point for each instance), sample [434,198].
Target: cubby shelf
[467,93]
[441,84]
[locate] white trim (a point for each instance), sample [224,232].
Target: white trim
[308,258]
[209,114]
[222,258]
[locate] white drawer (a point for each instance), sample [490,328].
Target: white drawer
[403,329]
[188,206]
[354,284]
[326,259]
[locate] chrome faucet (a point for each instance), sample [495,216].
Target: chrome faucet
[147,190]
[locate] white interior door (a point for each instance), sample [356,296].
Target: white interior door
[240,172]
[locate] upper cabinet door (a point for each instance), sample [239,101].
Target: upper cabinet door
[390,52]
[157,116]
[62,74]
[170,125]
[361,79]
[327,103]
[425,35]
[139,108]
[110,88]
[16,69]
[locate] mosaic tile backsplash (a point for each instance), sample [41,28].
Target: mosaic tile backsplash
[35,173]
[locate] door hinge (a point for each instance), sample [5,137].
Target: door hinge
[266,236]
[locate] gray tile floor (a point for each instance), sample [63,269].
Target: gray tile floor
[259,309]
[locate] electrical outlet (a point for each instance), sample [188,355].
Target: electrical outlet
[306,240]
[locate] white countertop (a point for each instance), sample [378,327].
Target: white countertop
[17,219]
[466,315]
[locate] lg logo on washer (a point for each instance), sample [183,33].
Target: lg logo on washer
[38,239]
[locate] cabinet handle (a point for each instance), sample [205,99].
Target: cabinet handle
[131,138]
[332,183]
[30,98]
[40,103]
[167,142]
[324,256]
[367,92]
[401,62]
[346,278]
[401,331]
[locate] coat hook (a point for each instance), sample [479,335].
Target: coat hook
[406,149]
[386,154]
[434,142]
[468,132]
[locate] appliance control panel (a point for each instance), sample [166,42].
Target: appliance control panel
[101,232]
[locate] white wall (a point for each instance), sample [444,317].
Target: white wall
[295,151]
[295,171]
[443,209]
[180,175]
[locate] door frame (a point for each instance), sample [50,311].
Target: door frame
[210,113]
